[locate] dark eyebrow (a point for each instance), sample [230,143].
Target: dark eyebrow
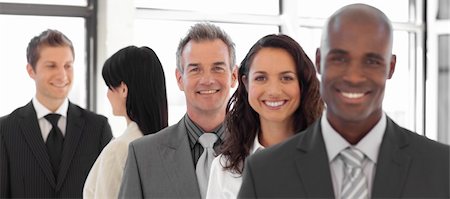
[260,72]
[375,56]
[338,51]
[288,72]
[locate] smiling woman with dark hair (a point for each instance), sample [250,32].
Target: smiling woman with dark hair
[137,91]
[277,97]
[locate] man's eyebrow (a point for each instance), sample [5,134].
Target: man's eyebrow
[338,51]
[374,55]
[193,65]
[219,63]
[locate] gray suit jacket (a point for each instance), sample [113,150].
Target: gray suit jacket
[408,166]
[25,169]
[160,166]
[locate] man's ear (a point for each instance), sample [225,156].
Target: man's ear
[31,71]
[318,56]
[179,76]
[392,66]
[234,76]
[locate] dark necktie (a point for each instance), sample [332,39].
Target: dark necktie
[54,142]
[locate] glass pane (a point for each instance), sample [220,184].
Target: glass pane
[398,105]
[14,79]
[266,7]
[401,105]
[50,2]
[443,9]
[444,88]
[146,33]
[397,10]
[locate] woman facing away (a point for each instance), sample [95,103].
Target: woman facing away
[137,91]
[277,97]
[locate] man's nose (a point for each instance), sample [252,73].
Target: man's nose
[207,78]
[62,72]
[355,73]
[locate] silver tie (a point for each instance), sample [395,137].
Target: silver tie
[354,185]
[207,140]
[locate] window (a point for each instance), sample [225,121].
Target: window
[302,20]
[14,79]
[404,107]
[266,7]
[443,86]
[437,73]
[161,24]
[50,2]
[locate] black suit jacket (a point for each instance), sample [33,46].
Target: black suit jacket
[408,166]
[25,168]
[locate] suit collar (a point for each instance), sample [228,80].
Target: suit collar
[312,163]
[369,144]
[42,111]
[391,169]
[74,131]
[177,160]
[393,163]
[32,134]
[194,131]
[31,131]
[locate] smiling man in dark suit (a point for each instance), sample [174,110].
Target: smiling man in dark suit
[48,146]
[355,150]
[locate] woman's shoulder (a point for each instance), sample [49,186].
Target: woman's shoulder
[218,166]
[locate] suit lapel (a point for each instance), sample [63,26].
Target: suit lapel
[33,136]
[177,160]
[312,163]
[74,130]
[392,165]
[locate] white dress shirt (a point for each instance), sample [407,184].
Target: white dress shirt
[44,124]
[105,176]
[223,183]
[369,145]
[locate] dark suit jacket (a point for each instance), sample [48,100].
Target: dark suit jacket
[160,166]
[25,169]
[408,166]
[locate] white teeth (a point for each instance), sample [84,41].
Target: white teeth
[352,95]
[60,85]
[208,92]
[274,104]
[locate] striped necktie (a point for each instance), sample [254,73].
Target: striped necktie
[354,185]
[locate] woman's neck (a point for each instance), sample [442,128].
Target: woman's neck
[272,133]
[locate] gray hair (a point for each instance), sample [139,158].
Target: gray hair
[206,32]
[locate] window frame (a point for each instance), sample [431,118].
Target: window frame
[88,13]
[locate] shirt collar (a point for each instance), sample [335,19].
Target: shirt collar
[256,145]
[369,144]
[42,111]
[194,131]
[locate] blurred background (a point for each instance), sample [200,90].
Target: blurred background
[417,97]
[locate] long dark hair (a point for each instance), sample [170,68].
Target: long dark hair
[243,122]
[142,72]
